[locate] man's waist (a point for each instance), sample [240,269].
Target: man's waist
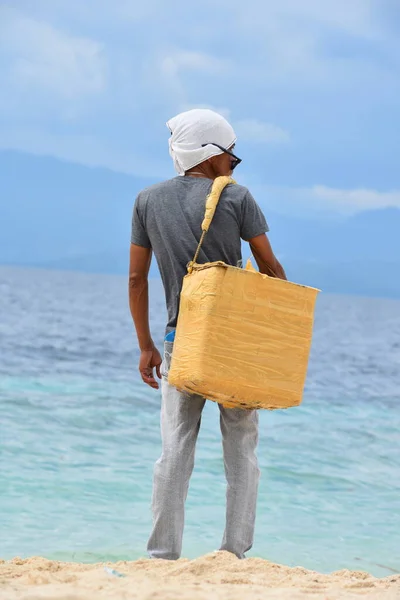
[170,337]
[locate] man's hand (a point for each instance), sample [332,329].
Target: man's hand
[150,360]
[265,257]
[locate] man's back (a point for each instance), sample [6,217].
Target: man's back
[167,217]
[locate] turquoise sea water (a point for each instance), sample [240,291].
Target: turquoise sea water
[79,434]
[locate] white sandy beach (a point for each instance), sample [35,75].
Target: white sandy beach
[219,575]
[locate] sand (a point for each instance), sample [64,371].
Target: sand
[218,575]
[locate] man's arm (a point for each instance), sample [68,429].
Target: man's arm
[139,266]
[265,257]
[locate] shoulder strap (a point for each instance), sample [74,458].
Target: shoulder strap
[212,200]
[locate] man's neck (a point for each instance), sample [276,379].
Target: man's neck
[202,171]
[197,174]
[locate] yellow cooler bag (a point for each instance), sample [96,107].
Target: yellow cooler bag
[243,339]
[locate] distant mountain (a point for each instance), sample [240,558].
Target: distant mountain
[51,210]
[370,235]
[66,216]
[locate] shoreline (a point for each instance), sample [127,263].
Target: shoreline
[218,575]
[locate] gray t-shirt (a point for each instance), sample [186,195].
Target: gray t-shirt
[167,217]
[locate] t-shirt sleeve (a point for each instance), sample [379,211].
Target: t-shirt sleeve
[253,221]
[139,234]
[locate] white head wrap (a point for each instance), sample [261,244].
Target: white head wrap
[193,128]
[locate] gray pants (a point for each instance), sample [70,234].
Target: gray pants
[180,424]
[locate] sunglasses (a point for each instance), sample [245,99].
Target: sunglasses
[236,160]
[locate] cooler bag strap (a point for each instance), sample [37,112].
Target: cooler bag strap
[212,200]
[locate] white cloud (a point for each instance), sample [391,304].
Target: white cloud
[45,60]
[355,200]
[225,112]
[87,150]
[323,201]
[182,60]
[293,42]
[101,75]
[96,12]
[174,66]
[252,130]
[356,17]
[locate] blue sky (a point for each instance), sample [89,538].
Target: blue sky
[312,88]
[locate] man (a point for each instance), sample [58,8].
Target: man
[167,220]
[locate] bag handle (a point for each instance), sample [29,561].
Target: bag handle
[212,200]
